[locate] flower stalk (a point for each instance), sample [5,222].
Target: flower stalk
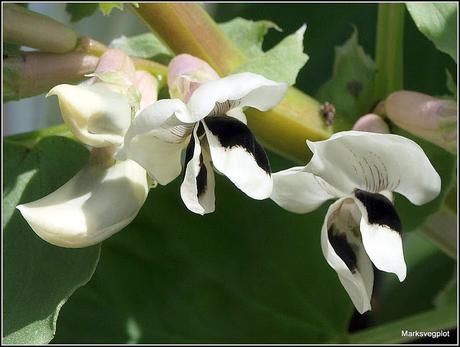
[187,28]
[28,28]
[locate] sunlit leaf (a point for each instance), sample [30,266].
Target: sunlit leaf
[78,11]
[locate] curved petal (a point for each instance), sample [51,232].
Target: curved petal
[96,115]
[237,113]
[375,162]
[236,154]
[381,232]
[345,253]
[238,90]
[197,189]
[97,202]
[298,191]
[147,85]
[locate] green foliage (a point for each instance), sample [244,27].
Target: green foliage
[107,7]
[78,11]
[250,272]
[438,22]
[146,46]
[350,88]
[38,277]
[248,35]
[272,63]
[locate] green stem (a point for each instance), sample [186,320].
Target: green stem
[29,139]
[24,27]
[435,320]
[389,49]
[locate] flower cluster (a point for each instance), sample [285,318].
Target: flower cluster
[203,128]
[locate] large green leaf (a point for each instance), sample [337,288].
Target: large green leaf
[351,86]
[438,22]
[38,277]
[250,272]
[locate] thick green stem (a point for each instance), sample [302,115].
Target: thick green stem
[187,28]
[435,320]
[35,30]
[389,49]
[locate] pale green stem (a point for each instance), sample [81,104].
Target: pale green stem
[389,49]
[29,139]
[435,320]
[24,27]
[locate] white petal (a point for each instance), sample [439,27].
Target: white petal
[238,114]
[380,230]
[299,191]
[353,265]
[375,162]
[95,114]
[236,154]
[156,139]
[239,90]
[97,202]
[197,189]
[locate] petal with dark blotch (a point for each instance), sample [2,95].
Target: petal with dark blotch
[236,154]
[381,232]
[344,252]
[197,189]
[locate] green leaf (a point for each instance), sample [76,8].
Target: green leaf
[38,277]
[450,84]
[78,11]
[146,46]
[350,88]
[413,216]
[438,22]
[249,272]
[107,7]
[248,35]
[272,63]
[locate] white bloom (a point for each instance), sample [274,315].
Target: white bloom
[362,227]
[106,194]
[211,126]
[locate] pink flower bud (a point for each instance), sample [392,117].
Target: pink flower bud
[430,118]
[115,60]
[372,124]
[147,85]
[186,73]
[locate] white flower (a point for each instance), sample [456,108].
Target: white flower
[362,227]
[106,194]
[211,127]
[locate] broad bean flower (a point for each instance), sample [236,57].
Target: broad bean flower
[106,194]
[360,170]
[205,119]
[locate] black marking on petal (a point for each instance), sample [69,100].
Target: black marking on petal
[202,178]
[380,210]
[234,133]
[342,248]
[200,130]
[189,151]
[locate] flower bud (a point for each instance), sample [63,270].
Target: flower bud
[430,118]
[186,73]
[147,86]
[372,124]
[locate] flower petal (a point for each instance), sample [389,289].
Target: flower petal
[236,153]
[237,113]
[375,162]
[197,189]
[345,253]
[95,114]
[97,202]
[238,90]
[381,232]
[156,139]
[298,191]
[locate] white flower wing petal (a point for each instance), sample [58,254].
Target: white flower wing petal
[96,203]
[197,189]
[236,154]
[346,255]
[238,90]
[375,162]
[298,191]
